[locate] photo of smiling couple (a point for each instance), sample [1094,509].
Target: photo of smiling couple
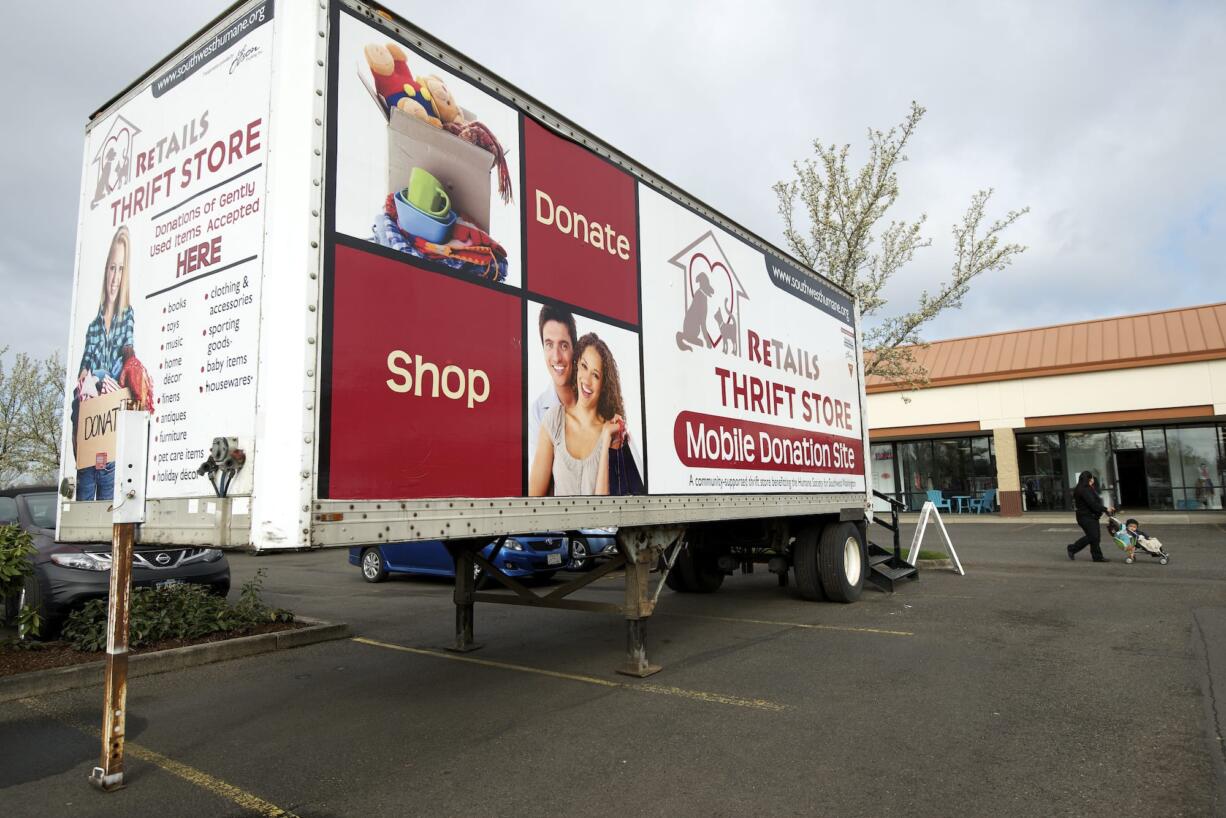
[584,422]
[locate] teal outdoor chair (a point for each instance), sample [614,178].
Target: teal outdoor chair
[984,502]
[937,499]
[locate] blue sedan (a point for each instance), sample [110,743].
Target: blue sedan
[532,555]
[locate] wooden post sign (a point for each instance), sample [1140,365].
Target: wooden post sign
[97,425]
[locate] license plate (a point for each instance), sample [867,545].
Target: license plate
[168,583]
[554,559]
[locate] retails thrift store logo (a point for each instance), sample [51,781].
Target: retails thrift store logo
[713,296]
[113,162]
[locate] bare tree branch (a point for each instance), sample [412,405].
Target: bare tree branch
[843,210]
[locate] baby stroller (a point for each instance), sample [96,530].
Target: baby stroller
[1132,543]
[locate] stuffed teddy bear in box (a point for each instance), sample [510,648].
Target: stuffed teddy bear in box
[395,85]
[445,106]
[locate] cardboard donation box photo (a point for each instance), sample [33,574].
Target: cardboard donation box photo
[462,168]
[96,428]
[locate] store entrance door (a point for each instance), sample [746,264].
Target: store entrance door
[1130,478]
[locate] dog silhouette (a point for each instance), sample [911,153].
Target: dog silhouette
[691,334]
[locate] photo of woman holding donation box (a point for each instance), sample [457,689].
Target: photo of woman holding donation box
[577,443]
[109,362]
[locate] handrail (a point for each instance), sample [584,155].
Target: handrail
[888,499]
[892,525]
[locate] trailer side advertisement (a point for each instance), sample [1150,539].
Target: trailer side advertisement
[169,265]
[508,314]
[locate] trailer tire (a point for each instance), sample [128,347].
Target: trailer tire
[842,562]
[806,564]
[694,573]
[374,569]
[673,578]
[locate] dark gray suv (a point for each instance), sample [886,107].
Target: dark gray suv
[68,574]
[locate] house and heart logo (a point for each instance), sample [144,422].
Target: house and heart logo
[711,318]
[113,161]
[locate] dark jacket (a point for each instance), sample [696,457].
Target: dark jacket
[1086,501]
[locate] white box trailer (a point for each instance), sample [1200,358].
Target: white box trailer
[369,292]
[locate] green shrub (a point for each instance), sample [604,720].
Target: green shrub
[16,550]
[174,612]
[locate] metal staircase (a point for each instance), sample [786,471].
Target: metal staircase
[888,567]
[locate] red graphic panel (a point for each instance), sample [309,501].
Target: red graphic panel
[427,395]
[582,237]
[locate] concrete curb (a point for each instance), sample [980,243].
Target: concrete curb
[89,674]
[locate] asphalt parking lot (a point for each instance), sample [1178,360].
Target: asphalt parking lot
[1030,686]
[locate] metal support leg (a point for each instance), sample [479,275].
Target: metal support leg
[109,776]
[465,587]
[641,556]
[636,651]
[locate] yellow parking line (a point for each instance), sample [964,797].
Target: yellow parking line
[663,690]
[221,789]
[805,625]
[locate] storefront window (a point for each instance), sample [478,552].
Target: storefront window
[983,464]
[884,473]
[1087,451]
[1041,468]
[1157,469]
[1126,439]
[1177,467]
[961,467]
[1193,455]
[915,466]
[949,466]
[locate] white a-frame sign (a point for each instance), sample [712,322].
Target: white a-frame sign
[929,510]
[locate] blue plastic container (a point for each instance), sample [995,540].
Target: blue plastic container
[419,223]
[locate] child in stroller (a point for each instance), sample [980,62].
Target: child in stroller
[1130,537]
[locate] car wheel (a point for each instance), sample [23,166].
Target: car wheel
[373,567]
[580,556]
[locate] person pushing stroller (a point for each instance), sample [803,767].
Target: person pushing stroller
[1088,506]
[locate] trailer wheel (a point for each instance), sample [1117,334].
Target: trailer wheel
[842,562]
[805,564]
[673,578]
[373,567]
[695,573]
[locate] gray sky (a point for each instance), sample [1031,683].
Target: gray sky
[1106,118]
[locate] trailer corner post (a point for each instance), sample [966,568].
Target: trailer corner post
[642,548]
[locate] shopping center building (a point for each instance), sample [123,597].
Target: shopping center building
[1010,419]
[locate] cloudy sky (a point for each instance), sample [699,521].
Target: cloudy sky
[1106,118]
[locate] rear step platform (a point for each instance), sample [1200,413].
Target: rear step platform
[885,569]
